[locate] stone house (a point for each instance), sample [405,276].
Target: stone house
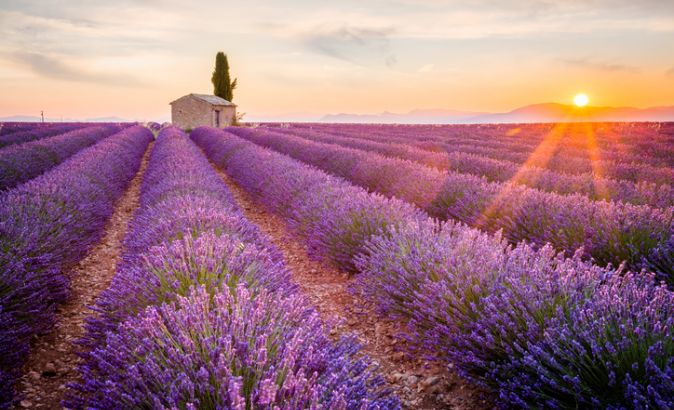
[194,110]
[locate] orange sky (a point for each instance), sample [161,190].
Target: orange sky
[309,58]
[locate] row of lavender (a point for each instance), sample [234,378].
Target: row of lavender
[22,162]
[620,135]
[635,171]
[37,131]
[8,127]
[46,226]
[571,141]
[590,185]
[549,154]
[202,312]
[609,232]
[544,331]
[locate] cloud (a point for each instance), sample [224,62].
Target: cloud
[670,72]
[120,34]
[359,45]
[55,68]
[599,65]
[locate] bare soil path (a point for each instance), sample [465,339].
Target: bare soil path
[419,383]
[53,360]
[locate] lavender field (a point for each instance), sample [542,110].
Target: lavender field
[337,266]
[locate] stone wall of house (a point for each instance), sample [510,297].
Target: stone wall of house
[190,112]
[227,114]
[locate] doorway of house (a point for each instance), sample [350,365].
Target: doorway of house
[217,119]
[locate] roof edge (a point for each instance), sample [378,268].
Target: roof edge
[213,100]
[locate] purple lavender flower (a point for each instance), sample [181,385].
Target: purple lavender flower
[542,330]
[204,351]
[163,272]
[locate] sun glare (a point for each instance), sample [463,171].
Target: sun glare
[581,100]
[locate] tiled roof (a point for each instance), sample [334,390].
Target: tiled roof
[211,99]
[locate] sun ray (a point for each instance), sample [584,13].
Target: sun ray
[540,157]
[594,154]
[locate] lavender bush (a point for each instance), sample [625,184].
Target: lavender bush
[336,217]
[588,184]
[13,127]
[630,171]
[47,225]
[20,163]
[38,131]
[633,151]
[661,259]
[188,231]
[202,312]
[609,232]
[191,215]
[154,126]
[615,349]
[541,329]
[228,350]
[163,272]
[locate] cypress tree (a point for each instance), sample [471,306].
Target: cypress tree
[223,86]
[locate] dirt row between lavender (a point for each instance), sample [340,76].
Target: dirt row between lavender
[419,384]
[53,359]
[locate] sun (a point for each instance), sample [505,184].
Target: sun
[581,100]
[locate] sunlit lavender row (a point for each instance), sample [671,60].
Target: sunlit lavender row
[609,232]
[610,143]
[593,186]
[549,152]
[540,329]
[609,135]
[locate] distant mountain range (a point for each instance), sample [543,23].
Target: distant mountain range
[547,112]
[413,117]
